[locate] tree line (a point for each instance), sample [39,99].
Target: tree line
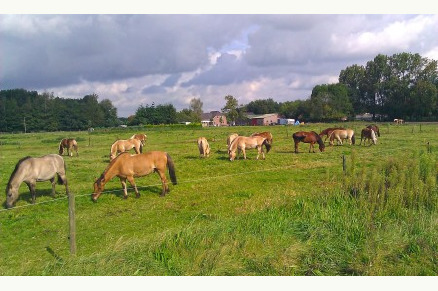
[403,86]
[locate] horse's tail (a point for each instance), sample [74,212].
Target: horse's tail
[60,180]
[61,148]
[353,139]
[267,145]
[171,167]
[141,148]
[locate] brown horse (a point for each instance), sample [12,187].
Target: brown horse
[308,137]
[368,134]
[141,137]
[204,147]
[127,166]
[375,128]
[328,131]
[124,145]
[241,143]
[69,144]
[265,134]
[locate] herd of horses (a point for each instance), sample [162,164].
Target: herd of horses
[126,166]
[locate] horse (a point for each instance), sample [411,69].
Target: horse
[230,139]
[308,137]
[265,134]
[31,170]
[127,166]
[375,128]
[204,147]
[241,143]
[399,121]
[368,134]
[341,134]
[69,143]
[124,145]
[328,131]
[141,137]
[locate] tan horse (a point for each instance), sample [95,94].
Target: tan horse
[342,134]
[124,145]
[328,131]
[31,170]
[141,137]
[127,166]
[204,147]
[241,143]
[230,139]
[69,144]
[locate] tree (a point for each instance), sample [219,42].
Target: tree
[230,109]
[330,102]
[263,106]
[196,109]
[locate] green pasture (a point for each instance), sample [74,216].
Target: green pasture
[290,214]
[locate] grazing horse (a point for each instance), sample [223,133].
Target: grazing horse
[341,134]
[124,145]
[308,137]
[127,166]
[328,131]
[368,134]
[265,134]
[31,170]
[141,137]
[230,139]
[204,147]
[375,128]
[69,143]
[241,143]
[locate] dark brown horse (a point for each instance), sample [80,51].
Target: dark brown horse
[375,128]
[308,137]
[70,144]
[368,134]
[328,131]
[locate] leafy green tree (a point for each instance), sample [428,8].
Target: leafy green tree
[196,109]
[230,109]
[330,102]
[263,106]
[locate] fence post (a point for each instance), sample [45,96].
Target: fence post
[344,164]
[428,147]
[72,222]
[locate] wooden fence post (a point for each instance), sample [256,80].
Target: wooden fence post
[72,222]
[344,164]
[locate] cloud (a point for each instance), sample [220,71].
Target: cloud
[139,59]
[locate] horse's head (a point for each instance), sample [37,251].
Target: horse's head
[11,196]
[98,188]
[232,154]
[321,147]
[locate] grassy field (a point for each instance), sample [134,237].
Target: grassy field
[291,214]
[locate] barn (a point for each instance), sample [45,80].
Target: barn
[265,119]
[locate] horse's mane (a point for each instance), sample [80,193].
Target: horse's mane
[318,139]
[15,170]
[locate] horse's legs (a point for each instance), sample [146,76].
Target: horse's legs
[125,190]
[132,182]
[53,186]
[163,182]
[296,147]
[31,186]
[244,153]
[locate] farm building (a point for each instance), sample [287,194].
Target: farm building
[214,118]
[265,119]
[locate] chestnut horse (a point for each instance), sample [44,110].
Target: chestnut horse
[368,134]
[341,134]
[375,128]
[127,166]
[308,137]
[328,131]
[241,143]
[124,145]
[204,147]
[141,137]
[69,144]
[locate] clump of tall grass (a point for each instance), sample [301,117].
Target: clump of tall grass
[395,184]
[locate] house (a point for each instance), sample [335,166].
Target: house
[214,118]
[265,119]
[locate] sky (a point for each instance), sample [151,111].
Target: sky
[170,58]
